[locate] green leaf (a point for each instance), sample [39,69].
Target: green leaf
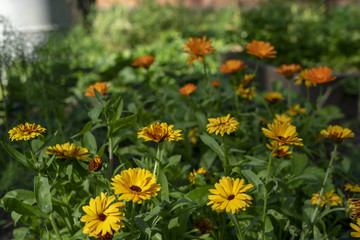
[21,194]
[173,160]
[317,234]
[143,227]
[12,204]
[210,142]
[15,154]
[174,222]
[199,194]
[140,163]
[255,161]
[42,194]
[20,233]
[252,177]
[164,192]
[299,162]
[85,129]
[46,143]
[89,142]
[99,97]
[95,113]
[119,125]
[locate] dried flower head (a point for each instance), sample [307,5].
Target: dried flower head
[288,70]
[319,75]
[26,132]
[187,89]
[143,61]
[337,133]
[69,150]
[101,87]
[282,133]
[159,132]
[222,125]
[95,164]
[197,48]
[232,66]
[273,97]
[261,49]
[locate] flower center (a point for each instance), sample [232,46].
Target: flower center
[135,188]
[102,217]
[231,197]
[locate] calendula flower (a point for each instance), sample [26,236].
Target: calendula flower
[337,133]
[246,93]
[283,118]
[261,49]
[288,70]
[232,66]
[143,61]
[281,151]
[248,78]
[296,109]
[101,87]
[222,125]
[352,206]
[197,48]
[69,150]
[319,75]
[26,132]
[331,197]
[194,135]
[356,227]
[282,133]
[187,89]
[229,195]
[302,78]
[192,175]
[159,132]
[273,97]
[215,83]
[135,184]
[352,188]
[95,164]
[205,225]
[103,218]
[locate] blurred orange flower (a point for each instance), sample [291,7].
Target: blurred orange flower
[215,83]
[101,87]
[232,66]
[197,48]
[261,49]
[187,89]
[288,70]
[319,75]
[143,61]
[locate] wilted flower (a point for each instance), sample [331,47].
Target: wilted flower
[159,132]
[261,49]
[296,109]
[192,175]
[352,188]
[331,197]
[188,89]
[319,75]
[337,133]
[222,125]
[273,97]
[69,150]
[143,61]
[246,93]
[288,70]
[283,133]
[232,66]
[101,87]
[197,48]
[95,164]
[281,151]
[26,132]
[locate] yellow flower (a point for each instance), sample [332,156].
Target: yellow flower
[247,93]
[95,164]
[273,97]
[261,49]
[352,188]
[282,133]
[194,173]
[288,70]
[302,78]
[26,132]
[337,133]
[197,48]
[215,83]
[331,197]
[356,227]
[187,89]
[143,61]
[222,125]
[232,66]
[194,135]
[103,218]
[69,150]
[159,132]
[101,87]
[283,118]
[229,195]
[294,110]
[319,75]
[352,206]
[247,79]
[135,184]
[281,151]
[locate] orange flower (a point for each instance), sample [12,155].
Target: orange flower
[261,49]
[288,70]
[215,83]
[319,75]
[197,48]
[232,66]
[143,61]
[187,89]
[101,87]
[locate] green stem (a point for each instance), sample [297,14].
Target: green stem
[205,74]
[158,159]
[289,93]
[132,219]
[308,94]
[55,227]
[239,231]
[32,152]
[313,218]
[225,163]
[256,67]
[266,192]
[111,157]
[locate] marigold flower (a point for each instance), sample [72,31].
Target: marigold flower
[302,78]
[197,48]
[352,206]
[331,197]
[101,87]
[248,78]
[356,227]
[352,188]
[159,132]
[95,164]
[26,132]
[319,75]
[143,61]
[215,83]
[282,133]
[222,125]
[135,184]
[229,195]
[273,97]
[283,118]
[296,109]
[194,135]
[246,93]
[187,89]
[192,175]
[261,49]
[69,150]
[103,219]
[288,70]
[232,66]
[337,133]
[281,151]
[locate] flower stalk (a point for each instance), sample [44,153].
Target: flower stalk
[52,221]
[225,163]
[111,157]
